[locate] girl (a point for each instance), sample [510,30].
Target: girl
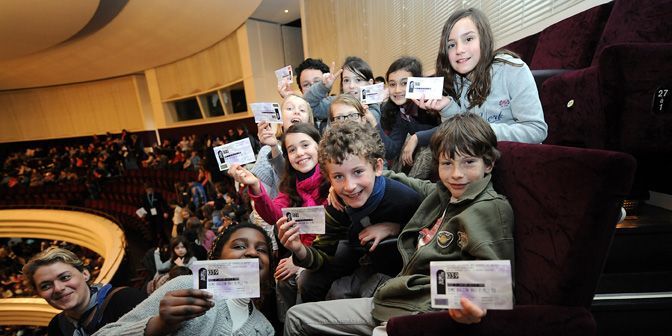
[355,74]
[495,84]
[180,255]
[177,308]
[347,108]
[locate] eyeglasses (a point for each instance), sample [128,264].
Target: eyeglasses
[352,117]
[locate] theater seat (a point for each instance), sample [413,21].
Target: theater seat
[566,204]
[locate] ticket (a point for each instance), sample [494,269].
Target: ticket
[487,283]
[371,94]
[309,219]
[430,87]
[239,152]
[284,73]
[269,112]
[227,279]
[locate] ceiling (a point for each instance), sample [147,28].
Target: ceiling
[45,43]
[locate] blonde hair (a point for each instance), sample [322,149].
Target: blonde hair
[50,256]
[311,119]
[346,99]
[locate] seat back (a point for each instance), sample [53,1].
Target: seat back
[566,203]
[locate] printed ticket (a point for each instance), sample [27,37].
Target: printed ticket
[239,152]
[309,219]
[227,279]
[430,87]
[284,73]
[269,112]
[487,283]
[371,94]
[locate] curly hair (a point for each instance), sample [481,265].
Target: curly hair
[465,134]
[350,138]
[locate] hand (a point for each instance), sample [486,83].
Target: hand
[377,233]
[285,88]
[179,261]
[470,312]
[328,79]
[178,306]
[266,134]
[288,232]
[407,151]
[334,201]
[244,176]
[285,269]
[368,116]
[433,104]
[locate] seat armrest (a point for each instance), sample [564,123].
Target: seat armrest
[540,76]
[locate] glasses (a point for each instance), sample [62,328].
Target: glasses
[352,117]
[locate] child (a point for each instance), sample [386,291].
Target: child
[180,255]
[494,84]
[351,157]
[347,108]
[177,308]
[355,73]
[461,218]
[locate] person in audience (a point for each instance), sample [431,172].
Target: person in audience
[156,212]
[461,218]
[346,107]
[174,272]
[60,277]
[180,255]
[351,157]
[177,308]
[495,84]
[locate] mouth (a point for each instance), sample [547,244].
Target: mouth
[61,297]
[463,60]
[352,195]
[458,186]
[302,161]
[295,120]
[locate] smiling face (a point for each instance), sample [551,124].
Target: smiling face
[464,46]
[248,243]
[63,286]
[396,86]
[458,172]
[352,81]
[294,110]
[353,179]
[301,151]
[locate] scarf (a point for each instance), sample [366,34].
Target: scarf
[359,217]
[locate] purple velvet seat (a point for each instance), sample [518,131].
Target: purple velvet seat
[566,203]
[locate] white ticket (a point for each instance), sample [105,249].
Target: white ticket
[227,279]
[487,283]
[239,152]
[283,73]
[269,112]
[371,93]
[430,87]
[309,219]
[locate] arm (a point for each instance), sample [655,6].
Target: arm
[422,187]
[425,136]
[395,140]
[160,265]
[319,100]
[269,209]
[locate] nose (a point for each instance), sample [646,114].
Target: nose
[251,252]
[459,47]
[456,172]
[349,184]
[58,286]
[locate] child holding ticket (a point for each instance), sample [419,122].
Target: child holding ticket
[461,218]
[177,308]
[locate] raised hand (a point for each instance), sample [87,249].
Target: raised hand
[288,232]
[266,134]
[470,312]
[328,79]
[285,269]
[178,306]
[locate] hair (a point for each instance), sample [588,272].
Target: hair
[380,79]
[345,139]
[390,109]
[465,134]
[289,179]
[359,67]
[187,245]
[310,63]
[195,224]
[349,100]
[47,257]
[311,119]
[481,80]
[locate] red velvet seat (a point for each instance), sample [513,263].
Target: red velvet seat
[566,204]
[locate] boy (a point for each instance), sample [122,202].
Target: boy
[461,218]
[351,158]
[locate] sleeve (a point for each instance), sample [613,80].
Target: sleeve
[529,125]
[135,321]
[269,209]
[123,302]
[278,164]
[422,187]
[318,99]
[191,261]
[488,228]
[324,246]
[264,170]
[425,136]
[375,110]
[160,265]
[395,140]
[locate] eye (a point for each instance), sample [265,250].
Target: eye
[359,172]
[470,38]
[470,161]
[451,45]
[262,249]
[45,287]
[337,177]
[65,277]
[239,247]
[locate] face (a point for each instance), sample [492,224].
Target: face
[309,77]
[301,151]
[294,110]
[464,46]
[248,243]
[457,173]
[63,286]
[180,250]
[352,82]
[343,112]
[353,179]
[397,86]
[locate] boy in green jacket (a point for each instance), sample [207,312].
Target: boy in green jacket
[461,218]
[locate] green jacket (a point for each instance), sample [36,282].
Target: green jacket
[479,226]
